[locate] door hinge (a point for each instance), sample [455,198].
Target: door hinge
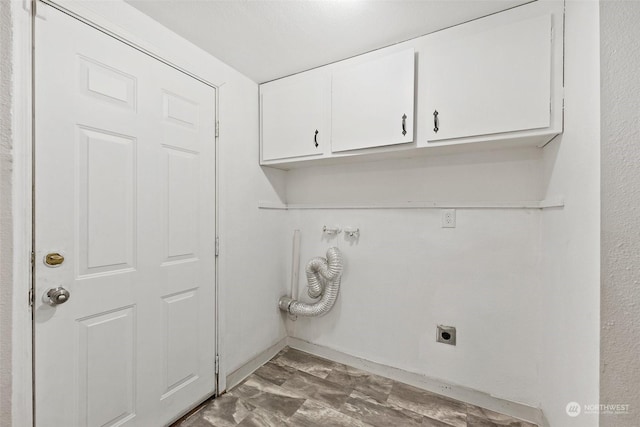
[217,129]
[217,246]
[33,259]
[217,367]
[31,299]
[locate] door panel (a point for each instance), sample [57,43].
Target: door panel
[106,201]
[180,110]
[125,191]
[180,313]
[104,372]
[185,267]
[180,171]
[108,84]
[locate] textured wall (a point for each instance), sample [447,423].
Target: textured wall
[5,213]
[620,310]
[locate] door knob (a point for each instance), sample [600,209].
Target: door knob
[56,296]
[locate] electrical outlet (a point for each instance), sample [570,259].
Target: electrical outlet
[446,334]
[448,218]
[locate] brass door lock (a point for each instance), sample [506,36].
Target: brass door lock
[53,259]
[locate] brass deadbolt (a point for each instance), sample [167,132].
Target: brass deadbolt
[53,259]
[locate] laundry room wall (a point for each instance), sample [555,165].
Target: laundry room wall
[520,285]
[406,274]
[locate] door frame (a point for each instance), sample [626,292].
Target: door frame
[24,16]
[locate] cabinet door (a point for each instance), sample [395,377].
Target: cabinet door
[292,118]
[481,81]
[372,103]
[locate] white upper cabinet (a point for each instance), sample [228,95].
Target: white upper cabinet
[490,83]
[293,118]
[486,77]
[372,103]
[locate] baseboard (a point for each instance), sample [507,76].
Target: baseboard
[458,392]
[237,376]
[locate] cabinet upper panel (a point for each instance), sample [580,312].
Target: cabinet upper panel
[372,103]
[477,81]
[293,119]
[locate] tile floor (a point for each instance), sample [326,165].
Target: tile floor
[299,389]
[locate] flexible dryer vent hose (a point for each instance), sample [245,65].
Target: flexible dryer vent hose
[323,276]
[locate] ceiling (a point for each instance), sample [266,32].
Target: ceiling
[268,39]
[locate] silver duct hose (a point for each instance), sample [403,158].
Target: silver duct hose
[323,276]
[320,268]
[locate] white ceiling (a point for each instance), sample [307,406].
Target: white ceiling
[268,39]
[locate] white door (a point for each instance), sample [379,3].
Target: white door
[125,192]
[372,103]
[293,117]
[480,81]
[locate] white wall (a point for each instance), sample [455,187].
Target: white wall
[406,274]
[620,317]
[6,240]
[523,284]
[569,360]
[501,175]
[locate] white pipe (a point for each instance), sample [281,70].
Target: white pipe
[295,264]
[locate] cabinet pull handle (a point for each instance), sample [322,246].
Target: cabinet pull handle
[404,124]
[315,138]
[436,122]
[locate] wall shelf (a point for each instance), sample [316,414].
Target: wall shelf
[542,204]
